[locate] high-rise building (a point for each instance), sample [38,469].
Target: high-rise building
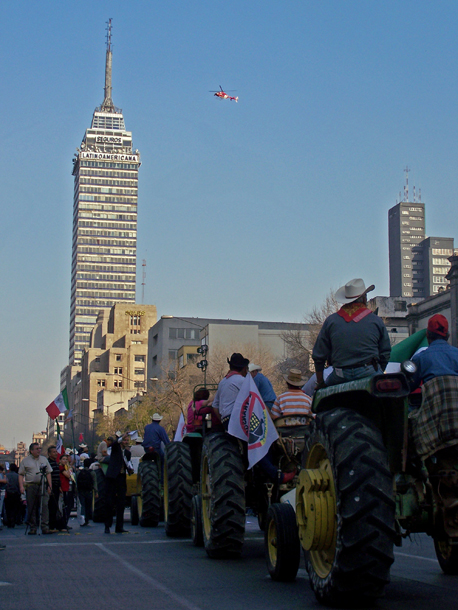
[406,229]
[430,265]
[104,246]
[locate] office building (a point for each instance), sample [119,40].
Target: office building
[105,170]
[406,229]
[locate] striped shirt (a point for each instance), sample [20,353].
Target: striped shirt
[292,402]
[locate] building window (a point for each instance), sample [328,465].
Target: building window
[117,357]
[139,371]
[118,383]
[101,383]
[97,359]
[118,370]
[173,353]
[139,358]
[135,320]
[155,339]
[154,360]
[139,384]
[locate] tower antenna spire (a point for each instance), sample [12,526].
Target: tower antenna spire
[406,188]
[108,105]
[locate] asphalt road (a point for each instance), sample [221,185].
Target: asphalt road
[144,570]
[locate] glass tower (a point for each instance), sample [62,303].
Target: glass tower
[104,246]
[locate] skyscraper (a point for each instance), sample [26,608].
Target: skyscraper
[104,248]
[406,229]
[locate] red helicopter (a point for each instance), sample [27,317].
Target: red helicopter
[223,95]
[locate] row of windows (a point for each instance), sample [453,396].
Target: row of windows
[115,268]
[438,279]
[93,224]
[107,190]
[441,270]
[107,182]
[81,302]
[108,174]
[102,198]
[80,295]
[107,207]
[102,285]
[107,240]
[105,276]
[441,261]
[183,333]
[102,259]
[132,217]
[102,250]
[109,164]
[443,251]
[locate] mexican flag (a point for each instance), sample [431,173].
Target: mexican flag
[59,405]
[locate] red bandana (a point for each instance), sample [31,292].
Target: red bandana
[353,312]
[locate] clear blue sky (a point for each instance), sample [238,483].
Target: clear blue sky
[252,210]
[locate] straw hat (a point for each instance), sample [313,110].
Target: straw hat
[294,377]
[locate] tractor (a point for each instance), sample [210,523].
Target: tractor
[208,487]
[360,493]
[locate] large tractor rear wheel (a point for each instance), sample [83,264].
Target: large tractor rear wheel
[282,545]
[177,489]
[223,496]
[196,522]
[149,502]
[345,509]
[447,556]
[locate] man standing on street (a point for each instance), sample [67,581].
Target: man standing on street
[115,481]
[31,470]
[53,504]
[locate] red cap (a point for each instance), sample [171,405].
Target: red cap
[438,324]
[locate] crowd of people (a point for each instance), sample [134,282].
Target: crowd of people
[352,344]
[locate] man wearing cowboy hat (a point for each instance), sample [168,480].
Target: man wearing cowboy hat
[229,387]
[263,384]
[294,402]
[155,435]
[354,340]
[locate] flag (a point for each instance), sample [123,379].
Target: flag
[81,438]
[59,405]
[133,435]
[181,429]
[404,350]
[69,416]
[60,444]
[251,422]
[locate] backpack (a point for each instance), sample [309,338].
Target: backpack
[84,480]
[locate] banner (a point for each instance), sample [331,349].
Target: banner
[181,429]
[251,422]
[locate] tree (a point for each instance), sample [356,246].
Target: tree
[300,344]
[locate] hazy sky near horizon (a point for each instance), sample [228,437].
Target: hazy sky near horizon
[252,210]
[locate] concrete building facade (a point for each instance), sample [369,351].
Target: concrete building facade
[114,366]
[104,246]
[175,340]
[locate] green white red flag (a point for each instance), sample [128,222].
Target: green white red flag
[59,405]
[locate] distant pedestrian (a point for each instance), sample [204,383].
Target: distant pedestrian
[3,482]
[137,449]
[32,470]
[263,384]
[54,498]
[115,481]
[65,471]
[86,482]
[13,497]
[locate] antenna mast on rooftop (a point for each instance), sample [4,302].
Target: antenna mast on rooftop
[406,188]
[108,105]
[143,280]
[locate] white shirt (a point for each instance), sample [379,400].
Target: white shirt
[226,394]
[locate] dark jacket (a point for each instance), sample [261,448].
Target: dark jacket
[117,460]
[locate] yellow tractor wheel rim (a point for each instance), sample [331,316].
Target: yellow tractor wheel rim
[316,511]
[272,543]
[206,498]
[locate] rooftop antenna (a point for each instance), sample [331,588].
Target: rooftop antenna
[108,105]
[414,199]
[419,195]
[143,280]
[406,188]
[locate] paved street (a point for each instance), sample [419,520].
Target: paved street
[89,570]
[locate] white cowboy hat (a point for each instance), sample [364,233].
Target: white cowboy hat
[254,367]
[156,417]
[352,291]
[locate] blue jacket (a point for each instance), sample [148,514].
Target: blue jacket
[154,435]
[440,358]
[265,388]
